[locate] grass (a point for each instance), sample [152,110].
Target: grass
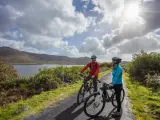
[145,103]
[101,74]
[37,103]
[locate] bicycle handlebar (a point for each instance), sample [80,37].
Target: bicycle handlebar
[82,75]
[107,86]
[99,81]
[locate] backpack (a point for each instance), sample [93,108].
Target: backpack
[95,66]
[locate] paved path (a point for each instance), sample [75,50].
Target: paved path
[68,110]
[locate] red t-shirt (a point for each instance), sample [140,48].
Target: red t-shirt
[94,68]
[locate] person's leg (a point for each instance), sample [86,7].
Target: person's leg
[117,89]
[85,81]
[104,91]
[95,83]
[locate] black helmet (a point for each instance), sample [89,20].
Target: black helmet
[117,59]
[93,57]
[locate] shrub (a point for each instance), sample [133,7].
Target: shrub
[145,68]
[153,81]
[105,66]
[143,64]
[7,72]
[45,80]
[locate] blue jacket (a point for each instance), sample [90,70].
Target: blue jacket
[117,75]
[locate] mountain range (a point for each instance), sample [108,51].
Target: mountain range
[14,56]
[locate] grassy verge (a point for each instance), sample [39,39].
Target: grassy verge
[145,103]
[101,74]
[37,103]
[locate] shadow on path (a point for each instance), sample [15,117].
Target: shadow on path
[68,113]
[109,117]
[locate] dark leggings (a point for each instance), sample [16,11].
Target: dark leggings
[94,82]
[117,88]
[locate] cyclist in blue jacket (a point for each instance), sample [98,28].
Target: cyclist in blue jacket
[117,82]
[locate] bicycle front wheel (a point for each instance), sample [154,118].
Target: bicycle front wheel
[94,105]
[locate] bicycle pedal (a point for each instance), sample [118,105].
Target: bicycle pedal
[105,99]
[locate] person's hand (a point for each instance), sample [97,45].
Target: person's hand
[111,86]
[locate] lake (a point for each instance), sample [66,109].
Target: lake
[31,70]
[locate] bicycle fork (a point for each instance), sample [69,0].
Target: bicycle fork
[105,96]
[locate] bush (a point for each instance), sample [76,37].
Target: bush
[105,66]
[65,74]
[7,72]
[153,81]
[45,80]
[145,68]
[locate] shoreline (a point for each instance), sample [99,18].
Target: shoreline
[42,64]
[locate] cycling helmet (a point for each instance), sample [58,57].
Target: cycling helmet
[117,59]
[93,57]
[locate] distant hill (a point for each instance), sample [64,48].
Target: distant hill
[14,56]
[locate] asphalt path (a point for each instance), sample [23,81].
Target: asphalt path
[67,109]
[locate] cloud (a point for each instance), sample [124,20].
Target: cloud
[71,51]
[20,45]
[127,30]
[44,42]
[13,34]
[113,16]
[11,43]
[43,24]
[150,12]
[92,45]
[126,36]
[149,42]
[108,46]
[109,8]
[85,4]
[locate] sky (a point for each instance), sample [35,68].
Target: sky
[79,28]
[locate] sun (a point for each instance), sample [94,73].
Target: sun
[131,12]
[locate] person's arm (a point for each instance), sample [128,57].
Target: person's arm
[97,70]
[117,75]
[83,69]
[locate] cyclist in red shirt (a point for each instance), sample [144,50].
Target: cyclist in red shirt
[94,70]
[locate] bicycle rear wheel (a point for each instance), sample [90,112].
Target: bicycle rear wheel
[93,108]
[82,94]
[113,98]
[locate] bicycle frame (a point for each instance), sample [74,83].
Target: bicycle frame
[107,94]
[105,91]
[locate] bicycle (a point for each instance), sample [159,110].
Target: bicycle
[101,99]
[86,87]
